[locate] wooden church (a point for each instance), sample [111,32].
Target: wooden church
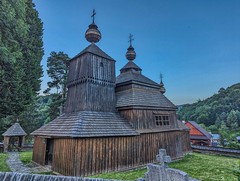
[109,123]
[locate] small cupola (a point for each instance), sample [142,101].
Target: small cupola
[161,85]
[93,35]
[131,55]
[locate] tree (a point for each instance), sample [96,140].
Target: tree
[20,55]
[220,118]
[232,120]
[57,70]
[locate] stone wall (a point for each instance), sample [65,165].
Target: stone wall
[13,176]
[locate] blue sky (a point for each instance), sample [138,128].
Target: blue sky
[195,44]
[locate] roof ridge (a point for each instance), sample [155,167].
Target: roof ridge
[94,49]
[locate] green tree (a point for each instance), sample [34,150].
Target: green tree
[20,55]
[224,134]
[57,70]
[232,120]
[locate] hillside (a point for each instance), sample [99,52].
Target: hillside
[223,107]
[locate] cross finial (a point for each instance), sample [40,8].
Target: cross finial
[93,14]
[161,76]
[163,158]
[131,39]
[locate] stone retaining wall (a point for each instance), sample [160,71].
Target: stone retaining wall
[13,176]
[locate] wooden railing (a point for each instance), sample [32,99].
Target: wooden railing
[217,150]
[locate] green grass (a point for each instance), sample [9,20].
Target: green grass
[199,166]
[208,167]
[26,156]
[3,165]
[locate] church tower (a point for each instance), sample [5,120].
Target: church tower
[91,78]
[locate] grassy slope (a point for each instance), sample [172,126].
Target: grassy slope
[208,167]
[26,156]
[203,167]
[3,165]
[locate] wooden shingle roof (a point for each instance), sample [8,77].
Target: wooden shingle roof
[143,97]
[15,130]
[87,124]
[182,126]
[94,49]
[132,76]
[130,65]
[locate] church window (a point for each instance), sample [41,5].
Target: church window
[162,120]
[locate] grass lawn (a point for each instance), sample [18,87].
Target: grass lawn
[199,166]
[3,165]
[26,156]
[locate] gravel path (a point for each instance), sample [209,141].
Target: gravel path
[16,165]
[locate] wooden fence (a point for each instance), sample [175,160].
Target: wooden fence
[217,150]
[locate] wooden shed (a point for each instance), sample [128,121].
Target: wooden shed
[14,137]
[109,123]
[198,135]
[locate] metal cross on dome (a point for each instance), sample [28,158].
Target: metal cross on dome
[131,38]
[93,14]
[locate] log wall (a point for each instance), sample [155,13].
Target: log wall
[88,156]
[39,150]
[145,119]
[91,84]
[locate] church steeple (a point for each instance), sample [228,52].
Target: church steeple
[161,85]
[93,35]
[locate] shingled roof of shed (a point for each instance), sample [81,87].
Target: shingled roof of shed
[87,124]
[94,49]
[15,130]
[143,97]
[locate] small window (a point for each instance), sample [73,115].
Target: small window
[101,64]
[162,120]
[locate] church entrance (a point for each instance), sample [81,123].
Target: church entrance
[49,151]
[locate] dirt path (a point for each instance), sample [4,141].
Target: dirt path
[16,165]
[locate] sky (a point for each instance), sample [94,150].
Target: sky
[195,44]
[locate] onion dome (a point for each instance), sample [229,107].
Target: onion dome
[93,35]
[161,85]
[131,54]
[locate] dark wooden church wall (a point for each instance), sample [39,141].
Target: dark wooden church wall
[88,100]
[64,156]
[92,82]
[88,156]
[39,150]
[145,119]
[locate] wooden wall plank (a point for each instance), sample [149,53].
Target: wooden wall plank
[85,156]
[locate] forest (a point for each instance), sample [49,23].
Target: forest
[21,53]
[219,113]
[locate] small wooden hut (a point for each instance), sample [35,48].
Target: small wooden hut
[14,137]
[109,123]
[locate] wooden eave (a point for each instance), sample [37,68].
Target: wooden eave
[146,108]
[95,50]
